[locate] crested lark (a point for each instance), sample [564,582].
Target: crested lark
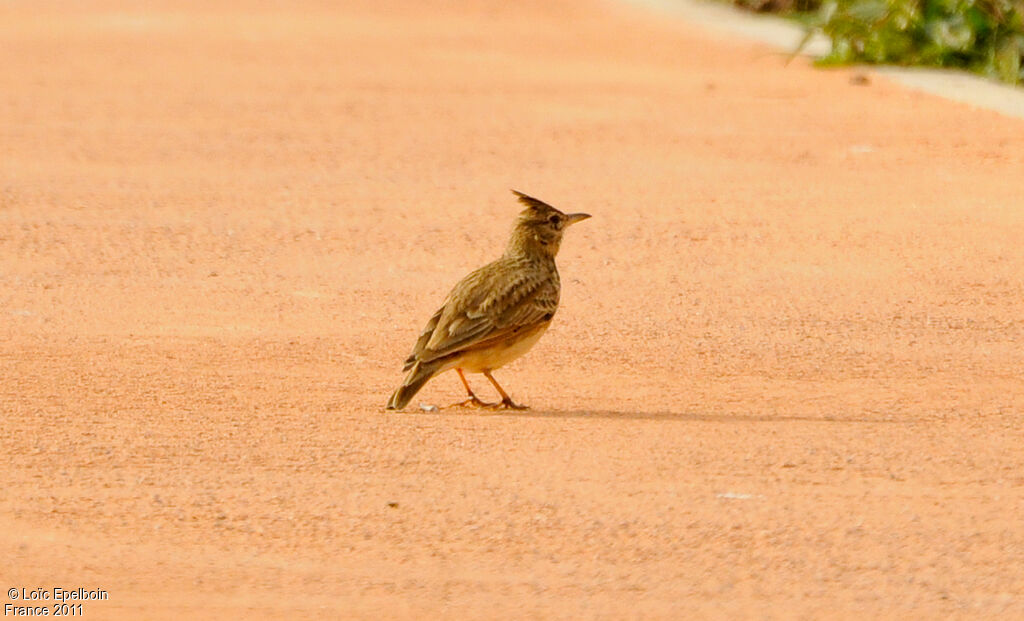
[495,314]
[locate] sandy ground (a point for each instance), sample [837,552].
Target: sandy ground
[784,381]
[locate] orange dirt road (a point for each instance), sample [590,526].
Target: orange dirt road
[784,380]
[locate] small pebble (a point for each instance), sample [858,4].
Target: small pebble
[734,496]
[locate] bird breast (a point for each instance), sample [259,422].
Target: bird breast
[500,354]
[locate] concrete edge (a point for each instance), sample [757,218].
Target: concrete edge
[785,35]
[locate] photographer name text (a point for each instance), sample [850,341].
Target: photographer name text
[50,602]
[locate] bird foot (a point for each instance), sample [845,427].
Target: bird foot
[473,402]
[504,404]
[508,404]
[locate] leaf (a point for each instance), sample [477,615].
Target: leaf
[1007,60]
[868,10]
[953,33]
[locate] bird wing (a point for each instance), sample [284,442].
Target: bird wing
[422,341]
[488,305]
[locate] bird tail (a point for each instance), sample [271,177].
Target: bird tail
[419,375]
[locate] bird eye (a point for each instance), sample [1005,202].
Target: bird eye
[555,220]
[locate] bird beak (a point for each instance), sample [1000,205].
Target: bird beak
[573,218]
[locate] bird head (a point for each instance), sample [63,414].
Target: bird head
[540,226]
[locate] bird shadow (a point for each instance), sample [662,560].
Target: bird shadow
[664,415]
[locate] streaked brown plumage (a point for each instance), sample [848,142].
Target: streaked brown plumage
[495,314]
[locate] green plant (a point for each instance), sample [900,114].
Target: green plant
[785,7]
[986,36]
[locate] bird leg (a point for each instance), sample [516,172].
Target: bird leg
[506,401]
[473,401]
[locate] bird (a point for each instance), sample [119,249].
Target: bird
[496,313]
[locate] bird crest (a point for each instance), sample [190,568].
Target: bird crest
[533,203]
